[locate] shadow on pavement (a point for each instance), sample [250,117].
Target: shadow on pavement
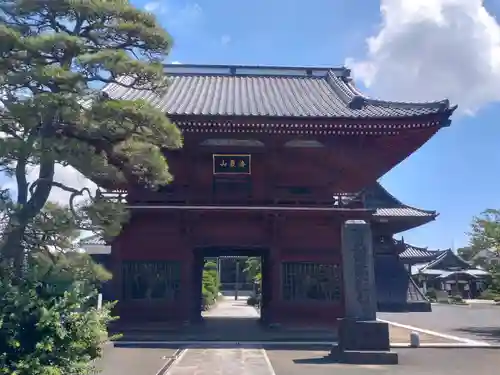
[225,345]
[485,333]
[234,329]
[314,361]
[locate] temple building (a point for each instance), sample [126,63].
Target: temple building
[444,270]
[279,163]
[396,289]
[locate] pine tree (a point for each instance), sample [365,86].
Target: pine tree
[55,57]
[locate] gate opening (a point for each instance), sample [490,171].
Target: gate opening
[231,283]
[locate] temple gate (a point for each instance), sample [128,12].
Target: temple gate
[273,163]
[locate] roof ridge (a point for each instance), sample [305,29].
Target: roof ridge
[335,83]
[245,70]
[442,256]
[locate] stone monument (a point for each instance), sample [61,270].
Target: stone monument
[362,339]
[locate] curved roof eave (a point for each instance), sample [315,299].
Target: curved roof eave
[397,202]
[412,251]
[444,105]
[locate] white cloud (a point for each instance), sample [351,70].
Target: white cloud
[155,7]
[434,49]
[176,62]
[64,175]
[225,40]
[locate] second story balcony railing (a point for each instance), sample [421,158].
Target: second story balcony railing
[235,198]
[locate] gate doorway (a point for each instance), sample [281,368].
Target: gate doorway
[234,295]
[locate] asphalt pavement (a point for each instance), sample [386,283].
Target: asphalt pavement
[479,322]
[254,361]
[411,362]
[133,361]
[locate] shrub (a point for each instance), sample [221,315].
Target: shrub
[207,298]
[431,295]
[46,331]
[210,285]
[457,299]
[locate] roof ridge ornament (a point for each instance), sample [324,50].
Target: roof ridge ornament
[357,102]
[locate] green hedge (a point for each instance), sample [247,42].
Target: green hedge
[210,285]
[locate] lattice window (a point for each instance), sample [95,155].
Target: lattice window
[151,280]
[306,281]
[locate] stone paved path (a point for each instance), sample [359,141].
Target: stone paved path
[228,307]
[222,361]
[225,361]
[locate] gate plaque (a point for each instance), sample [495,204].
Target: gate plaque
[231,164]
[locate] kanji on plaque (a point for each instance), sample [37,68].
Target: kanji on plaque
[231,164]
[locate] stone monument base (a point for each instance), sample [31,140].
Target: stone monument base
[364,342]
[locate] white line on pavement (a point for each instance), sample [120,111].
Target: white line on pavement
[268,361]
[437,334]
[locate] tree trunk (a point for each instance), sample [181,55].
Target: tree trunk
[13,250]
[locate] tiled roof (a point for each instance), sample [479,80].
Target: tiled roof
[92,240]
[472,272]
[386,205]
[420,253]
[269,92]
[403,212]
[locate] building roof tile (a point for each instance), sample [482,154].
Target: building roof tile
[269,92]
[403,212]
[414,252]
[386,205]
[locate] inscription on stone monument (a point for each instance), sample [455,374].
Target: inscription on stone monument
[362,266]
[359,279]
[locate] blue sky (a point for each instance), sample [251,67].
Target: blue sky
[456,173]
[398,49]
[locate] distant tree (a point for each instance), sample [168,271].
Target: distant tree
[485,232]
[485,235]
